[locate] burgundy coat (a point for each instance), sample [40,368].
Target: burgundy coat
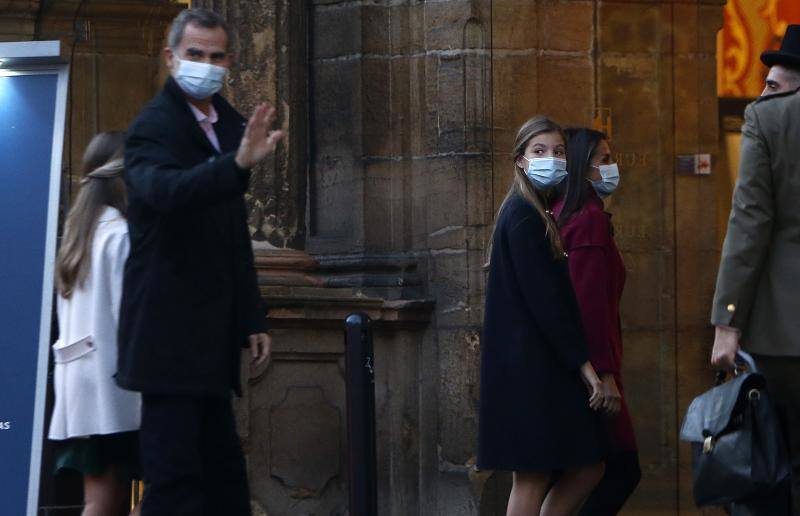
[598,277]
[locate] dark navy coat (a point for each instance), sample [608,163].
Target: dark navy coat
[534,407]
[190,295]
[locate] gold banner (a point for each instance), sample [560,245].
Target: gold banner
[750,27]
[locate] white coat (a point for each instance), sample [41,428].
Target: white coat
[87,399]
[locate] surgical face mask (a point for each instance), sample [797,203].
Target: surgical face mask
[199,80]
[546,173]
[609,180]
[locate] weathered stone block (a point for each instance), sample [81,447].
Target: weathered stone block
[515,92]
[648,301]
[516,25]
[333,212]
[336,31]
[401,116]
[631,28]
[450,112]
[565,26]
[444,24]
[376,107]
[441,185]
[376,30]
[502,178]
[565,88]
[384,213]
[337,108]
[459,393]
[631,88]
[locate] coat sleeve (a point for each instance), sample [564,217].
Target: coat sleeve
[749,229]
[251,302]
[546,289]
[157,177]
[115,255]
[588,267]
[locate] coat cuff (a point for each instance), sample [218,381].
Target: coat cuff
[723,314]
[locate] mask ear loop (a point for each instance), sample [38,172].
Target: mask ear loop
[591,165]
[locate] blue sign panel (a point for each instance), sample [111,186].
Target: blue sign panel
[28,200]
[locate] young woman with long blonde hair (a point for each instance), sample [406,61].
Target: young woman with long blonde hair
[539,392]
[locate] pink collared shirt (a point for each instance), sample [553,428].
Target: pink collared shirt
[207,123]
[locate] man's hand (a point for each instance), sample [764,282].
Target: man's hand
[259,139]
[612,402]
[260,348]
[726,344]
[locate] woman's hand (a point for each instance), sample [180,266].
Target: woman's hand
[612,398]
[594,385]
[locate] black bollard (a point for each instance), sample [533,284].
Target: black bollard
[361,456]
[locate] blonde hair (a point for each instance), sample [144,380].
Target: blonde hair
[522,186]
[102,185]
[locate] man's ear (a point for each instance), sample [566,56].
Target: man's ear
[169,57]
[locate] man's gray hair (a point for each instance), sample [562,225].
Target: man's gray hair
[199,17]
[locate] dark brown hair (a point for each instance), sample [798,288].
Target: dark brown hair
[581,144]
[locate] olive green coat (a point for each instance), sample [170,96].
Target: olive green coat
[758,285]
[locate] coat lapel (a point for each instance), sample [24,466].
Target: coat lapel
[230,125]
[187,118]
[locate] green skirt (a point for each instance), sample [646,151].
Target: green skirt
[95,454]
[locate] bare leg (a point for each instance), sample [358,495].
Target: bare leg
[137,510]
[527,494]
[571,490]
[104,495]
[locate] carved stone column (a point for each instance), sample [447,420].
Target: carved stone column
[271,65]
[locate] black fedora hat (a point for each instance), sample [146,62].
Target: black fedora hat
[789,54]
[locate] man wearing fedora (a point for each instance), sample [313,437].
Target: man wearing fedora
[784,64]
[756,304]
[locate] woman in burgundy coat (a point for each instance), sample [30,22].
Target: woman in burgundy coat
[598,277]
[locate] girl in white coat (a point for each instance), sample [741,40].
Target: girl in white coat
[96,421]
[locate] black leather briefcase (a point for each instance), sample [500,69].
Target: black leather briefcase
[738,450]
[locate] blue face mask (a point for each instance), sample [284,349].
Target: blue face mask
[199,80]
[609,180]
[546,173]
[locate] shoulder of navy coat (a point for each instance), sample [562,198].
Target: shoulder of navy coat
[534,411]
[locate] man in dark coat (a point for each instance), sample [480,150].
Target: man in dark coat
[190,297]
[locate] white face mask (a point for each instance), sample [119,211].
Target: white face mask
[546,173]
[199,80]
[609,180]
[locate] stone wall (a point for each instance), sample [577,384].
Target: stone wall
[411,114]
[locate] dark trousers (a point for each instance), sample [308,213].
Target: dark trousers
[191,458]
[620,480]
[781,374]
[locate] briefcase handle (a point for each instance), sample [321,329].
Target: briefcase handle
[742,358]
[748,360]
